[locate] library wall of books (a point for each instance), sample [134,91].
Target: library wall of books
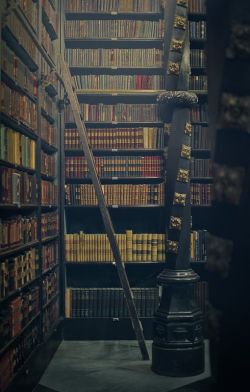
[57,271]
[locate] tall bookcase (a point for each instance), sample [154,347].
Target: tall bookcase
[116,56]
[201,148]
[29,167]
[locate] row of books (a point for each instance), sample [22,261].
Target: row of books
[48,132]
[117,194]
[15,355]
[49,193]
[200,137]
[197,6]
[49,255]
[30,10]
[51,14]
[50,316]
[197,58]
[201,167]
[197,29]
[17,230]
[50,286]
[119,82]
[17,71]
[17,187]
[198,250]
[198,82]
[17,148]
[201,194]
[48,104]
[48,164]
[109,302]
[133,247]
[22,36]
[49,224]
[113,5]
[199,113]
[18,271]
[120,112]
[18,106]
[20,310]
[114,57]
[47,43]
[117,138]
[115,166]
[114,28]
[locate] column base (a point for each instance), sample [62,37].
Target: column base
[178,362]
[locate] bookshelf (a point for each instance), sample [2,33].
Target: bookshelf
[201,181]
[117,81]
[29,180]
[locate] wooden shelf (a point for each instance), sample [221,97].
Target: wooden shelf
[16,337]
[99,124]
[17,126]
[117,150]
[115,206]
[48,147]
[49,26]
[51,238]
[15,86]
[18,291]
[14,45]
[71,15]
[17,167]
[47,178]
[113,179]
[47,116]
[50,269]
[113,43]
[18,249]
[18,207]
[114,93]
[51,300]
[114,70]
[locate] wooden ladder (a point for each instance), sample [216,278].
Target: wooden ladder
[137,326]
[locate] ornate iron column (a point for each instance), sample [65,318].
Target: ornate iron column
[178,348]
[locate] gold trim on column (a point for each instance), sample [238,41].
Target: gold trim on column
[177,45]
[183,3]
[173,68]
[188,129]
[180,199]
[183,175]
[172,246]
[185,151]
[180,22]
[175,223]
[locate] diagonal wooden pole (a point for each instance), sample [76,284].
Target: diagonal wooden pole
[67,81]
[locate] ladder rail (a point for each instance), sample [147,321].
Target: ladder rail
[137,326]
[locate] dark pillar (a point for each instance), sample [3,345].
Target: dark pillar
[178,348]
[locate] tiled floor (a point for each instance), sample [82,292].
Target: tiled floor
[108,366]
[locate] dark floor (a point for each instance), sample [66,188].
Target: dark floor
[110,366]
